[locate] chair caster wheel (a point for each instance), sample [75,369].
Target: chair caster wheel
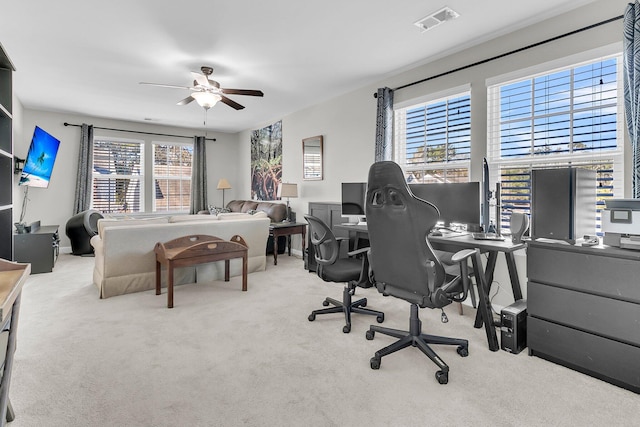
[346,329]
[364,303]
[375,363]
[462,351]
[442,377]
[369,335]
[312,317]
[380,318]
[325,303]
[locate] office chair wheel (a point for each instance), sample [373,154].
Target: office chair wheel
[364,303]
[375,363]
[312,317]
[462,351]
[380,318]
[346,329]
[442,377]
[370,334]
[325,303]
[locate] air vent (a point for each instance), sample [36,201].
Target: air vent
[443,15]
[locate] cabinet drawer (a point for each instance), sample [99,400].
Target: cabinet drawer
[603,316]
[600,357]
[586,271]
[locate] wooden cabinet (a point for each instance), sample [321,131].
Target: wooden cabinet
[6,156]
[331,214]
[583,307]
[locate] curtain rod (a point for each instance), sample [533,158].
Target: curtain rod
[375,95]
[137,131]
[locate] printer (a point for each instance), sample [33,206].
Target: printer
[621,223]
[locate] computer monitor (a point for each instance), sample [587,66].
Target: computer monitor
[458,202]
[353,197]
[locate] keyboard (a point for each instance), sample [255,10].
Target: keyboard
[486,236]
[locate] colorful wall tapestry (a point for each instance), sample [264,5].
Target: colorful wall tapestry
[266,161]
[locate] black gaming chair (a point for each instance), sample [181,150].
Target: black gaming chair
[331,268]
[404,265]
[80,229]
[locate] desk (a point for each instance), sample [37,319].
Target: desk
[286,229]
[456,241]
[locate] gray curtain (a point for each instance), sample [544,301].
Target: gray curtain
[631,66]
[199,176]
[384,124]
[82,200]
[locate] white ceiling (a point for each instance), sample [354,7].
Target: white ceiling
[88,57]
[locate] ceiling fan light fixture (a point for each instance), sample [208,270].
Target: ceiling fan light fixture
[206,99]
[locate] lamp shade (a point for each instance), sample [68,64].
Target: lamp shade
[206,99]
[223,184]
[288,190]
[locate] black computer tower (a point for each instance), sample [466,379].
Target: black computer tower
[513,327]
[563,203]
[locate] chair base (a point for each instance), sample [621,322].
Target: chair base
[347,307]
[416,338]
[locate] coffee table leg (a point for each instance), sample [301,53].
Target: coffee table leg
[158,277]
[170,286]
[244,272]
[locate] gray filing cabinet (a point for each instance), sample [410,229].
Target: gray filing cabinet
[584,309]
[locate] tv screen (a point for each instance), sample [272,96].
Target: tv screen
[40,159]
[353,196]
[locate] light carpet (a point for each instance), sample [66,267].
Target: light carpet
[223,357]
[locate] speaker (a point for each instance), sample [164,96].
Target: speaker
[519,225]
[563,203]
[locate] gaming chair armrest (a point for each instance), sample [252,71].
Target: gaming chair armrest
[452,289]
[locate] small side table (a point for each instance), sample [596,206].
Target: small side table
[197,249]
[288,229]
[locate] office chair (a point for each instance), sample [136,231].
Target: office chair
[331,268]
[404,265]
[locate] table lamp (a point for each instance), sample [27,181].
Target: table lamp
[223,184]
[288,190]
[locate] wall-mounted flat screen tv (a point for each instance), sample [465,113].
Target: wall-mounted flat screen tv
[40,159]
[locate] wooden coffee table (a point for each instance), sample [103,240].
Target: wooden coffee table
[198,249]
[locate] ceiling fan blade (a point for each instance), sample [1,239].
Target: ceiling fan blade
[231,103]
[163,85]
[243,92]
[187,100]
[201,79]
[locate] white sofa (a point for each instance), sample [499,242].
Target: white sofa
[125,261]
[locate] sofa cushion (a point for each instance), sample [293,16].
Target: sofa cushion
[274,210]
[129,222]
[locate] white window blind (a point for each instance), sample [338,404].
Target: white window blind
[433,139]
[567,117]
[117,175]
[172,177]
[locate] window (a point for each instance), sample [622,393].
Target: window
[172,177]
[118,167]
[433,139]
[568,117]
[120,182]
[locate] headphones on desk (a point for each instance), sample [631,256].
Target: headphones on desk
[519,225]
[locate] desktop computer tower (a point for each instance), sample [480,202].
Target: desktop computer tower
[513,329]
[563,203]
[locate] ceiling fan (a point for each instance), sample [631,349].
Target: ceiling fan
[208,92]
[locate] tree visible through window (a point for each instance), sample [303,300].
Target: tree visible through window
[117,176]
[172,177]
[433,140]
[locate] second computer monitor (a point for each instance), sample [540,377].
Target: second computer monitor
[458,203]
